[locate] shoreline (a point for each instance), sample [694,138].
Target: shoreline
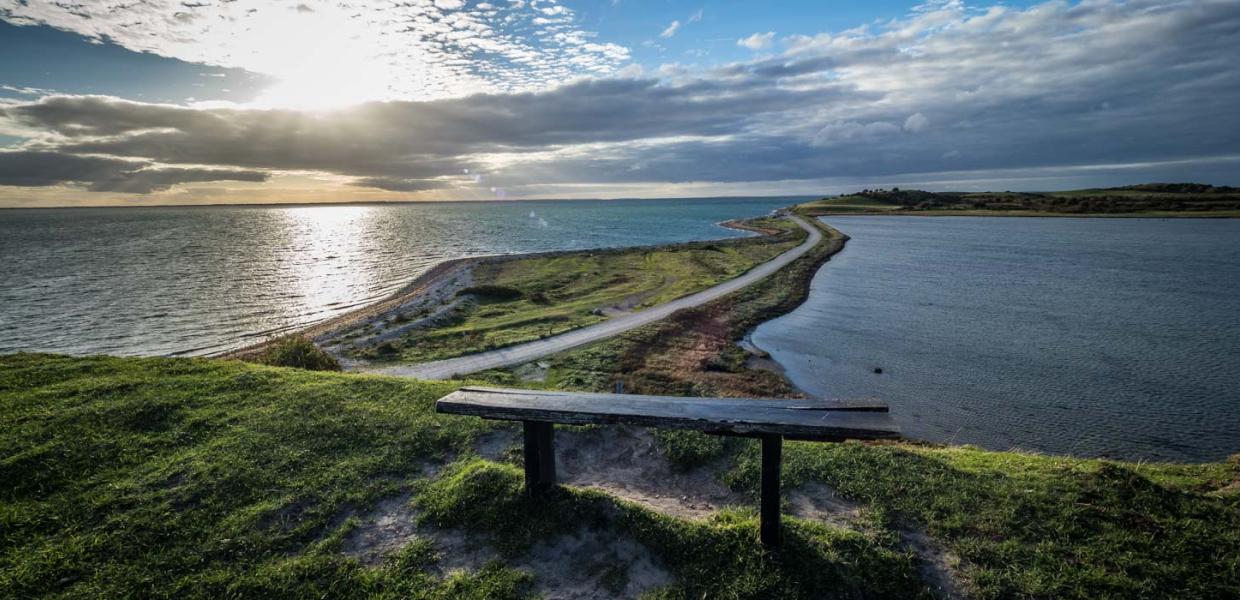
[760,359]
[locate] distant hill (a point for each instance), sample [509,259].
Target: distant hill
[1180,188]
[1170,199]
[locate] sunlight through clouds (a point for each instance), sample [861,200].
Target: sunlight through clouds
[516,99]
[330,54]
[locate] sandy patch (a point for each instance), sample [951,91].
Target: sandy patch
[939,568]
[583,564]
[493,445]
[622,461]
[590,564]
[815,501]
[625,462]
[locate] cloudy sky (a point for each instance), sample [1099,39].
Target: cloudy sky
[204,101]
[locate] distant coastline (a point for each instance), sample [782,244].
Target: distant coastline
[1150,200]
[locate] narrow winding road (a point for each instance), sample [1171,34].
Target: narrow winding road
[523,353]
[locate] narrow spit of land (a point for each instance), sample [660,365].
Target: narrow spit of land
[529,351]
[475,304]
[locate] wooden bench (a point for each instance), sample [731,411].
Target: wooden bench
[769,419]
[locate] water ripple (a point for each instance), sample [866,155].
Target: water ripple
[198,280]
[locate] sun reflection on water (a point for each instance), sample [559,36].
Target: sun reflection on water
[324,245]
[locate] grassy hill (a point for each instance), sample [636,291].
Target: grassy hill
[192,478]
[1151,199]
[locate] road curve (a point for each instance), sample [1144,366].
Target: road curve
[523,353]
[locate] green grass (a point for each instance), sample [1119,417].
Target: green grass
[529,298]
[1045,526]
[194,478]
[843,205]
[298,352]
[715,559]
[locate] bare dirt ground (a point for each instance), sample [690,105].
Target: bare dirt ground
[625,462]
[622,461]
[582,564]
[939,568]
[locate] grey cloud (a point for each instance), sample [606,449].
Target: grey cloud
[41,169]
[406,140]
[587,111]
[145,181]
[105,174]
[847,132]
[1059,85]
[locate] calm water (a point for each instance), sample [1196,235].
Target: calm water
[201,280]
[1096,337]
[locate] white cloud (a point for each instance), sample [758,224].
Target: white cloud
[757,41]
[916,122]
[696,16]
[631,71]
[671,30]
[352,50]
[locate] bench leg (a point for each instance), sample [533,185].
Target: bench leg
[772,451]
[539,456]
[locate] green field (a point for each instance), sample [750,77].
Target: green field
[193,478]
[526,299]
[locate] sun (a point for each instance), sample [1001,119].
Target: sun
[319,60]
[320,88]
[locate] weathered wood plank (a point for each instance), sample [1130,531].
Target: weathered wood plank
[796,403]
[802,419]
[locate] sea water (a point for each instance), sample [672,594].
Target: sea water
[198,280]
[1096,337]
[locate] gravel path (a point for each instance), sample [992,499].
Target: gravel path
[530,351]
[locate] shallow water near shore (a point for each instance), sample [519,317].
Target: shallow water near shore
[1095,337]
[197,280]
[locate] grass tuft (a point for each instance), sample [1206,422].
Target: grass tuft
[297,352]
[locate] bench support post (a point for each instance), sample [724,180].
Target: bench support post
[772,453]
[539,456]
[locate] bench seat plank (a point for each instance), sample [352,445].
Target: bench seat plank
[792,418]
